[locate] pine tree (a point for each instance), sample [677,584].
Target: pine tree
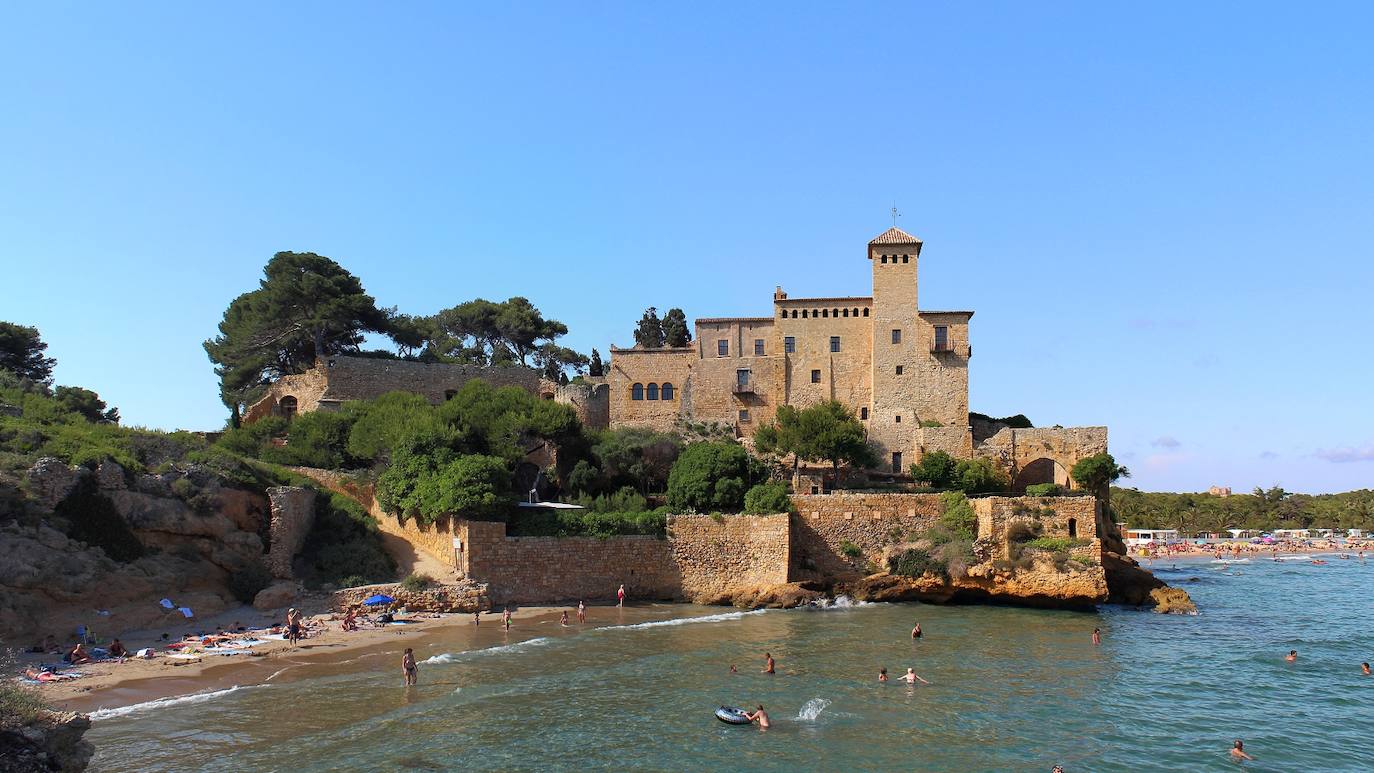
[675,329]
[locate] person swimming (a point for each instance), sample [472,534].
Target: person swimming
[760,717]
[1364,669]
[1291,656]
[1238,751]
[733,670]
[882,675]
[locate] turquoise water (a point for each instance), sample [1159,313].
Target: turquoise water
[1012,689]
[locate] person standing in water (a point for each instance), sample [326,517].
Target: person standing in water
[911,677]
[768,665]
[563,621]
[620,596]
[581,612]
[760,717]
[1238,751]
[505,618]
[1097,636]
[916,632]
[409,668]
[477,617]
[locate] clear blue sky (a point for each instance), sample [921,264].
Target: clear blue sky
[1161,218]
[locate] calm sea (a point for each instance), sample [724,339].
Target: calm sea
[1011,690]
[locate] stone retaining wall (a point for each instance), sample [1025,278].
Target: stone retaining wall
[871,522]
[293,513]
[717,558]
[462,596]
[1062,517]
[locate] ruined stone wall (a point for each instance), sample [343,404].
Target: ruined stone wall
[718,557]
[1061,517]
[824,523]
[1019,452]
[308,388]
[292,515]
[649,366]
[590,400]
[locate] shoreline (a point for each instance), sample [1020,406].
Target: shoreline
[111,686]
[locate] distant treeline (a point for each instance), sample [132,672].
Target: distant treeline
[1264,509]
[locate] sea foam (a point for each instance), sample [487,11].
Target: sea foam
[685,620]
[163,703]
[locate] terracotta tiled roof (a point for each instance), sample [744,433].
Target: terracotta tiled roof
[895,236]
[717,320]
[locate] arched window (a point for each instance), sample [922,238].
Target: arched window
[653,392]
[836,312]
[1073,528]
[865,312]
[637,392]
[825,312]
[856,312]
[667,392]
[846,312]
[794,314]
[803,313]
[287,405]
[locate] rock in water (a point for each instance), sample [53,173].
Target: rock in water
[1173,601]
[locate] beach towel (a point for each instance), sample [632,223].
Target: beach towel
[183,656]
[185,612]
[166,603]
[146,652]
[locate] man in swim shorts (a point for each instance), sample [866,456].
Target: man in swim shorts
[1291,656]
[409,668]
[1097,636]
[1238,751]
[581,612]
[760,717]
[620,596]
[768,666]
[916,632]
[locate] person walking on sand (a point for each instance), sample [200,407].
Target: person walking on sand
[1238,751]
[620,596]
[581,612]
[1097,636]
[911,677]
[505,618]
[1291,656]
[477,617]
[916,632]
[408,667]
[293,626]
[768,666]
[760,717]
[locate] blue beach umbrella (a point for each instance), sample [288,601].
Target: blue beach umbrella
[378,599]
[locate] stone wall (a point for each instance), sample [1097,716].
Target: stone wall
[956,441]
[716,558]
[871,522]
[1062,517]
[461,596]
[1042,455]
[590,400]
[292,515]
[336,380]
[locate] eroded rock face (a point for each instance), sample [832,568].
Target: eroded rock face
[461,596]
[1042,585]
[293,513]
[278,595]
[1173,601]
[53,742]
[51,480]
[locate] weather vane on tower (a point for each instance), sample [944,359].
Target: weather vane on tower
[895,215]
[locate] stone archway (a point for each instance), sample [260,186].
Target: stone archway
[287,407]
[1042,470]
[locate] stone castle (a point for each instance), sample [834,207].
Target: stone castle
[901,370]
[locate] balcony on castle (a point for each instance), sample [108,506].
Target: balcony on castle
[746,388]
[943,346]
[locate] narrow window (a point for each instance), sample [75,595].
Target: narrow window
[666,392]
[834,343]
[803,313]
[815,377]
[865,312]
[904,258]
[835,313]
[723,348]
[896,336]
[742,379]
[896,461]
[941,338]
[758,347]
[653,392]
[856,312]
[863,413]
[825,313]
[1073,528]
[287,406]
[846,313]
[794,314]
[637,392]
[897,419]
[884,258]
[789,344]
[899,370]
[744,414]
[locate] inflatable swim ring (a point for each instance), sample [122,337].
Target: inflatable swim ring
[733,715]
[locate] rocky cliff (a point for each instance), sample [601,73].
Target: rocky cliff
[51,742]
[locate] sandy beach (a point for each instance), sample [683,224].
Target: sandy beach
[329,649]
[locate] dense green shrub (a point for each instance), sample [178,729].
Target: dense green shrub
[93,519]
[315,439]
[250,439]
[247,582]
[767,499]
[626,500]
[417,582]
[976,476]
[382,423]
[344,547]
[1098,471]
[915,563]
[958,516]
[1021,531]
[1042,490]
[574,523]
[712,476]
[935,468]
[1056,544]
[850,550]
